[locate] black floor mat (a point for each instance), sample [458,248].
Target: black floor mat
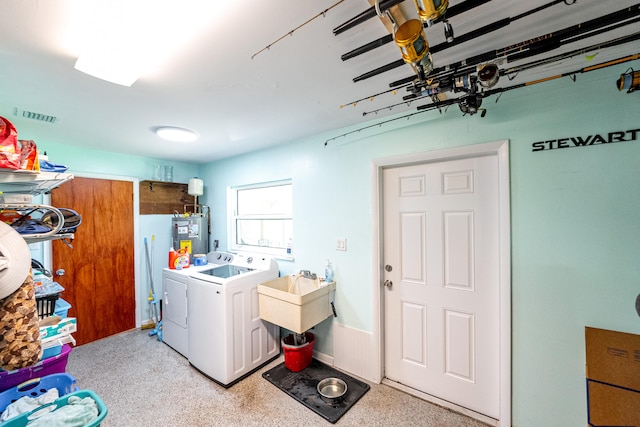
[302,387]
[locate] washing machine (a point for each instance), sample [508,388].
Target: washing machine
[174,301]
[227,339]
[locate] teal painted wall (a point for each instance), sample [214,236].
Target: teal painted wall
[575,223]
[574,227]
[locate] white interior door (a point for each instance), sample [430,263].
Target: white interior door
[442,280]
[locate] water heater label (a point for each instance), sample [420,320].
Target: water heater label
[186,244]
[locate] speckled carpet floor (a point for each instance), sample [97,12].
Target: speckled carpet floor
[144,383]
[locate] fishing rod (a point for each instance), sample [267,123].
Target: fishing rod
[446,103]
[407,116]
[535,45]
[371,97]
[479,32]
[290,33]
[444,82]
[582,70]
[442,46]
[365,16]
[494,26]
[470,63]
[452,11]
[437,48]
[437,89]
[546,79]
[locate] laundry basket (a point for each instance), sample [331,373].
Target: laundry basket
[24,419]
[35,387]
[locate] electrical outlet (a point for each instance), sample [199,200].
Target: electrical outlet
[341,245]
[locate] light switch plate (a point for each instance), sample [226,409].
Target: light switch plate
[341,244]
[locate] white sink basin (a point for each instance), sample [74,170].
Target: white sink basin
[295,302]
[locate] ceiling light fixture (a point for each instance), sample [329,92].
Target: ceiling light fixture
[176,134]
[122,40]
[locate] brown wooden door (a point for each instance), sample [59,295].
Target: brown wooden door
[99,270]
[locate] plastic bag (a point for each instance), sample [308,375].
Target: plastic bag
[28,155]
[9,150]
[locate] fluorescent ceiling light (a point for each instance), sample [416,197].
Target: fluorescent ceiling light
[102,67]
[176,134]
[122,40]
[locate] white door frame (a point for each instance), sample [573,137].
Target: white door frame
[501,149]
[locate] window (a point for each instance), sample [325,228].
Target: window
[262,218]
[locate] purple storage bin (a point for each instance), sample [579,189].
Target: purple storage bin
[52,365]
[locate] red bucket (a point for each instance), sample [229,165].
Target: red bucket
[297,357]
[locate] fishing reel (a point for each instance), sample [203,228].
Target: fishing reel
[413,44]
[412,40]
[471,103]
[430,11]
[488,74]
[630,81]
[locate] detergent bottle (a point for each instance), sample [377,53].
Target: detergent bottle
[172,258]
[178,259]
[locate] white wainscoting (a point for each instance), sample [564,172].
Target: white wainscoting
[354,352]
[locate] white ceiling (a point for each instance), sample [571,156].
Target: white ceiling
[238,104]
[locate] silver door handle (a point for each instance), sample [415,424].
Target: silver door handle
[388,283]
[60,272]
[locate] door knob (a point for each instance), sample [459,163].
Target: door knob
[60,272]
[388,283]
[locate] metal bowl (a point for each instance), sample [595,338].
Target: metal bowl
[332,389]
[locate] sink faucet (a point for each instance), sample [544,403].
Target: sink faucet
[308,274]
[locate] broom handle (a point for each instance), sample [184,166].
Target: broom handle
[146,251]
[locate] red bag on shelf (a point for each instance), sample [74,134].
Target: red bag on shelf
[28,155]
[9,149]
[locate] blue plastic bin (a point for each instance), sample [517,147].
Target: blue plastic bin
[23,420]
[34,387]
[50,352]
[62,308]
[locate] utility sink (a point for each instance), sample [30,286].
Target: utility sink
[295,302]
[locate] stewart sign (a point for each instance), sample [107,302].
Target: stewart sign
[585,141]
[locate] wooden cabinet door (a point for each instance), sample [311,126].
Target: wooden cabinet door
[98,275]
